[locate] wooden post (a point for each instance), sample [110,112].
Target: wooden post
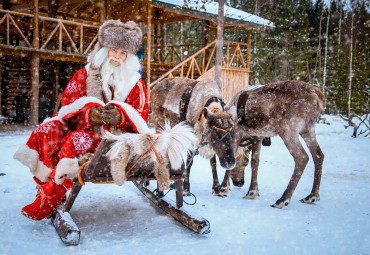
[35,68]
[162,26]
[148,47]
[249,49]
[103,13]
[0,93]
[108,7]
[219,42]
[56,89]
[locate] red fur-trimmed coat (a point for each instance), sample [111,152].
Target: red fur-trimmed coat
[54,146]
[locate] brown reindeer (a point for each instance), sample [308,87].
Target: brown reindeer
[199,104]
[288,109]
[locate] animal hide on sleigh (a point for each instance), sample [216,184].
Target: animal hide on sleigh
[171,145]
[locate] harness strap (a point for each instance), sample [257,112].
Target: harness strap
[79,173]
[156,154]
[210,101]
[185,99]
[240,107]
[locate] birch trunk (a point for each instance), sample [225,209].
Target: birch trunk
[350,64]
[220,42]
[318,58]
[340,25]
[326,51]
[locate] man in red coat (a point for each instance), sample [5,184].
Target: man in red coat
[108,94]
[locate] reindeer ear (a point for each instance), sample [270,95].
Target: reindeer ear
[206,112]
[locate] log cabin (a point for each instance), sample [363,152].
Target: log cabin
[43,42]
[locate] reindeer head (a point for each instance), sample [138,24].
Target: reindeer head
[217,135]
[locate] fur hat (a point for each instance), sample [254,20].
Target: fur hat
[126,36]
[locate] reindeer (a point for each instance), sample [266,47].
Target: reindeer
[288,109]
[199,103]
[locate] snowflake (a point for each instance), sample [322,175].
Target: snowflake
[81,141]
[72,87]
[44,127]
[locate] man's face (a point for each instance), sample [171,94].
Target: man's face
[118,54]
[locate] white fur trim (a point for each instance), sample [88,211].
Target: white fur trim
[30,158]
[182,139]
[74,107]
[142,95]
[134,116]
[66,166]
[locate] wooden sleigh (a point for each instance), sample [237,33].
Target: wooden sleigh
[98,171]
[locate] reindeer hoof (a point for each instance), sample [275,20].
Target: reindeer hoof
[220,192]
[252,194]
[311,199]
[281,204]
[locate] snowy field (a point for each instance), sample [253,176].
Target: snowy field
[120,220]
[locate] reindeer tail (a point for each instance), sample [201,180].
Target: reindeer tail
[321,97]
[181,140]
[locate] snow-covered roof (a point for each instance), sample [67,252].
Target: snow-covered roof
[211,8]
[253,87]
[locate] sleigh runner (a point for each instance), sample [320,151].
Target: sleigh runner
[98,170]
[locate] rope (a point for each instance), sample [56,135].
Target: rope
[173,187]
[195,200]
[156,154]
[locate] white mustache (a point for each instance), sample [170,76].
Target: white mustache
[115,59]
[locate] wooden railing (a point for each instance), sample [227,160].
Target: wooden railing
[235,57]
[55,34]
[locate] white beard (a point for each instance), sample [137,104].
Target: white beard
[120,78]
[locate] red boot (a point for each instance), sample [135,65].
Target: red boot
[48,197]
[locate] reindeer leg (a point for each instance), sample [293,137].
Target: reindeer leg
[163,177]
[186,191]
[318,158]
[225,185]
[300,159]
[256,152]
[216,188]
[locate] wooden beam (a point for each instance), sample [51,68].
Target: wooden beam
[249,49]
[0,93]
[103,13]
[56,90]
[219,42]
[35,65]
[149,47]
[108,6]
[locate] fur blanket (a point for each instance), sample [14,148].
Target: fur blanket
[171,146]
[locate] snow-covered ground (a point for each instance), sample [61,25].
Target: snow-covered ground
[120,220]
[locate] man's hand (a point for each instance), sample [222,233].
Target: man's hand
[111,115]
[96,116]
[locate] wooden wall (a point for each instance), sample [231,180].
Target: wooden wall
[16,88]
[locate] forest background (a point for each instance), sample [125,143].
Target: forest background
[325,43]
